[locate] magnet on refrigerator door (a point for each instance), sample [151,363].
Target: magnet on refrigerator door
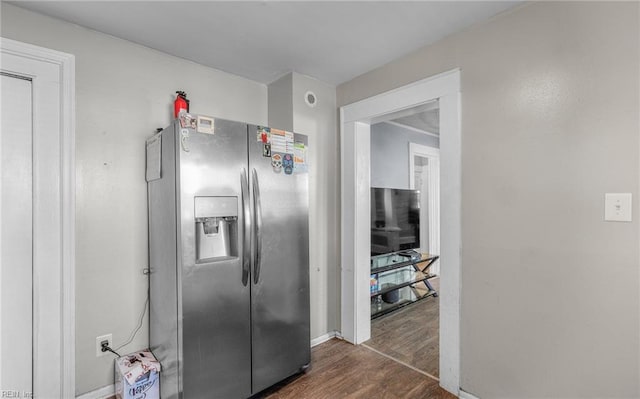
[264,135]
[276,163]
[266,151]
[287,164]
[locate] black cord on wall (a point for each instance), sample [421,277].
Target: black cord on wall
[133,334]
[106,348]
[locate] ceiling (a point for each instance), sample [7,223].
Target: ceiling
[262,40]
[426,122]
[424,118]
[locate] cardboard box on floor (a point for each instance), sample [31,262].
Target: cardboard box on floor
[137,376]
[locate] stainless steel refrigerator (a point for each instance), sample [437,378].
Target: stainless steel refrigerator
[229,257]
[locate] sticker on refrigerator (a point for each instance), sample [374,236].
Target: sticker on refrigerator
[276,163]
[299,158]
[287,164]
[266,151]
[263,135]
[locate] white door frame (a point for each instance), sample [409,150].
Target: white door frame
[433,200]
[53,85]
[355,120]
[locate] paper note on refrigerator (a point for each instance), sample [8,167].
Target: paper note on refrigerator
[154,157]
[299,158]
[281,141]
[288,138]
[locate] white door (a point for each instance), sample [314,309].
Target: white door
[37,197]
[16,236]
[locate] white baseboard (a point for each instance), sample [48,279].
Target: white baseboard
[325,338]
[100,393]
[466,395]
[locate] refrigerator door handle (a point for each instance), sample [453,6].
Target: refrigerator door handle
[258,227]
[246,234]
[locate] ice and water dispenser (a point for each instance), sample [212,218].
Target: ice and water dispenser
[216,221]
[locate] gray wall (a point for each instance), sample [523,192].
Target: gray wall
[287,109]
[320,124]
[390,154]
[280,95]
[550,122]
[123,92]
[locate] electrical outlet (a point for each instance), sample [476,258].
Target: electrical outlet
[99,340]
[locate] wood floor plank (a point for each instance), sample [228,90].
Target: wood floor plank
[341,370]
[411,334]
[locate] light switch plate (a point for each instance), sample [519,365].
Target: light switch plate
[617,207]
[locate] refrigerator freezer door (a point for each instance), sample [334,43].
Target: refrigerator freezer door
[216,329]
[280,281]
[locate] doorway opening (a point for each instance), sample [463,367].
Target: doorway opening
[404,165]
[356,121]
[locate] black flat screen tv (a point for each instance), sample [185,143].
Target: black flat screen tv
[395,220]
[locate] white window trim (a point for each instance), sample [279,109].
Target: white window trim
[355,120]
[54,243]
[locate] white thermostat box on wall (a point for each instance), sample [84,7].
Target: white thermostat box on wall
[205,125]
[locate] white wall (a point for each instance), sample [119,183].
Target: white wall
[550,122]
[390,154]
[123,92]
[320,124]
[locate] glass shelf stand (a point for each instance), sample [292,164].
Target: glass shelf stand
[399,279]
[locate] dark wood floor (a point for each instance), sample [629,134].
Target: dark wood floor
[341,370]
[411,334]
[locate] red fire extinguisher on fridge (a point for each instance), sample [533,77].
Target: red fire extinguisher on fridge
[180,104]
